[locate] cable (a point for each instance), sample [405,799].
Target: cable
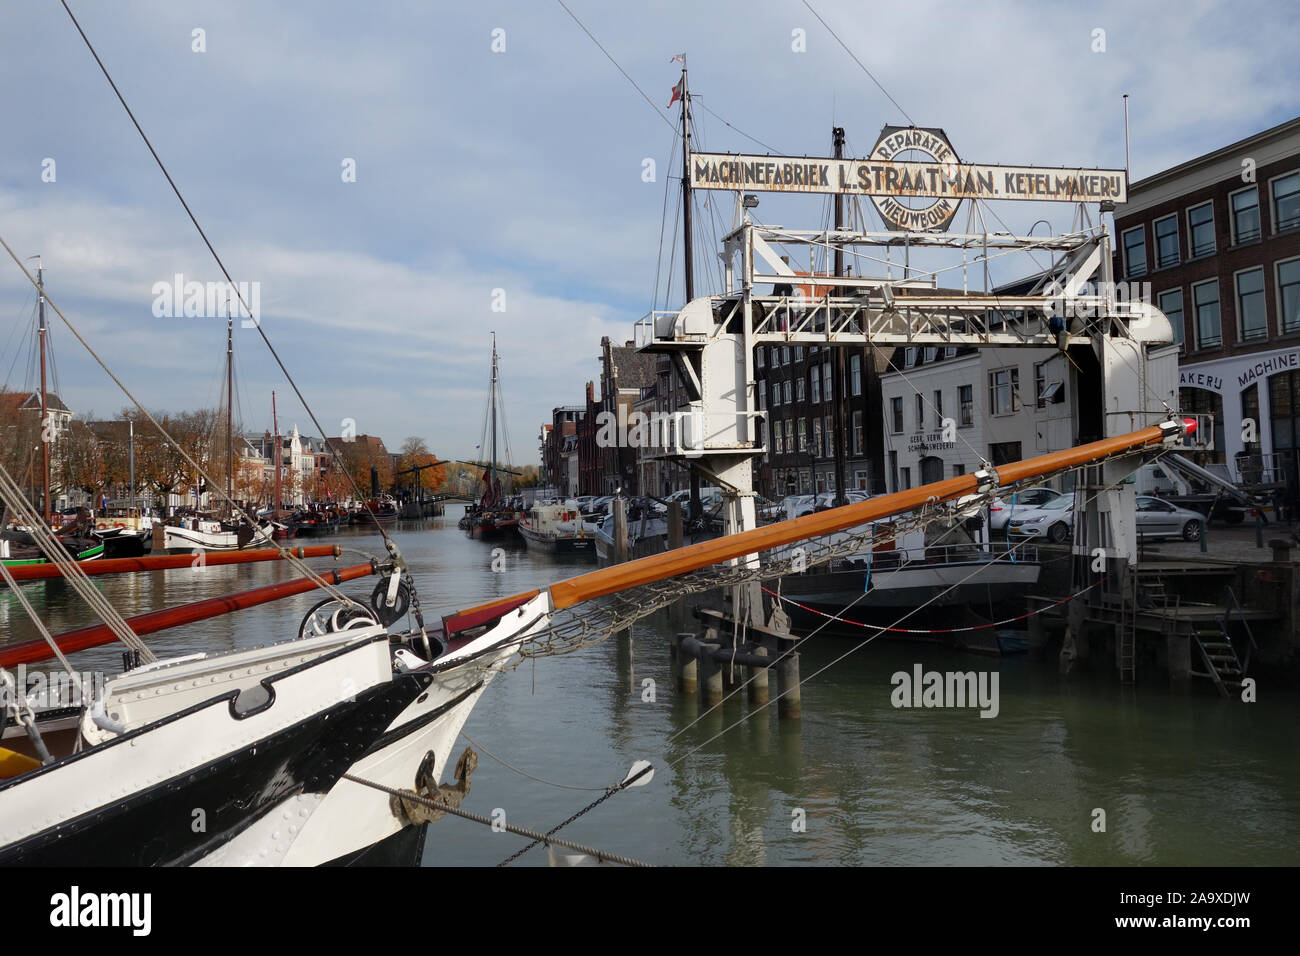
[858,62]
[616,66]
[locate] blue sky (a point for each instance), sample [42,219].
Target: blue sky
[519,170]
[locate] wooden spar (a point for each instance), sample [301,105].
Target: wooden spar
[162,562]
[657,567]
[79,640]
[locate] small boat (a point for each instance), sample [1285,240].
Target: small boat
[557,529]
[207,534]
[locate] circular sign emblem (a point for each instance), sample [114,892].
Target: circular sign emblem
[935,159]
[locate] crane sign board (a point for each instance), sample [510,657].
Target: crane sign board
[887,180]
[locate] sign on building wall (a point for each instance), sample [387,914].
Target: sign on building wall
[939,176]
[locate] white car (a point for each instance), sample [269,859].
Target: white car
[1054,519]
[1002,509]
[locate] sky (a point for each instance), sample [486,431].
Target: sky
[497,149]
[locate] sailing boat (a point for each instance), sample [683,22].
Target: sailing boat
[200,533]
[17,546]
[495,513]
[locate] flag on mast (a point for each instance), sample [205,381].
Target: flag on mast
[677,93]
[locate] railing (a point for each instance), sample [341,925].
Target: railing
[1262,469]
[942,554]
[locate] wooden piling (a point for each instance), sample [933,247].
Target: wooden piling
[789,704]
[685,665]
[711,676]
[758,690]
[619,505]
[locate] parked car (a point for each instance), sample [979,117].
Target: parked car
[1001,510]
[1154,518]
[1054,520]
[1157,518]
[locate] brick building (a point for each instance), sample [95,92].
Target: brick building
[1218,239]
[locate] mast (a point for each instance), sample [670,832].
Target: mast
[130,423]
[275,425]
[230,394]
[46,436]
[837,367]
[492,402]
[688,260]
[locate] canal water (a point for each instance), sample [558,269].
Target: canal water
[1181,780]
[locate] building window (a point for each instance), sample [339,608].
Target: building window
[857,433]
[827,383]
[1245,215]
[776,394]
[855,374]
[1004,391]
[966,401]
[785,355]
[787,391]
[798,353]
[1166,231]
[815,382]
[920,413]
[1205,299]
[1252,317]
[1200,229]
[817,436]
[1040,382]
[758,359]
[1286,202]
[860,480]
[799,389]
[896,416]
[1135,252]
[905,478]
[779,432]
[1004,453]
[938,408]
[1171,304]
[909,357]
[830,438]
[958,470]
[949,351]
[1288,294]
[931,354]
[803,434]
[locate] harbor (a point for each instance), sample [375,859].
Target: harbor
[880,785]
[776,496]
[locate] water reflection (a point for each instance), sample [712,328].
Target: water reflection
[1181,780]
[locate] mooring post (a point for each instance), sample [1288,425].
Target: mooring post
[687,666]
[674,525]
[712,671]
[1205,526]
[758,692]
[789,705]
[620,529]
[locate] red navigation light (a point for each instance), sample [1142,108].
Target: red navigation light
[1189,425]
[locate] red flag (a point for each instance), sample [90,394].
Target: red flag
[677,94]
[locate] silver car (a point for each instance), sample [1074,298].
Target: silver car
[1157,518]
